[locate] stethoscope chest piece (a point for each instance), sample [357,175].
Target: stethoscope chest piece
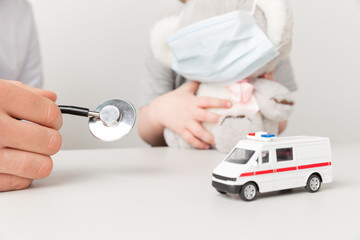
[115,119]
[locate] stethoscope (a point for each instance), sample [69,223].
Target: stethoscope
[108,122]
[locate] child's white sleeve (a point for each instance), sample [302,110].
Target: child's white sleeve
[157,80]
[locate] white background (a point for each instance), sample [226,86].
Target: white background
[93,50]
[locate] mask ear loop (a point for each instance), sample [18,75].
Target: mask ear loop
[253,7]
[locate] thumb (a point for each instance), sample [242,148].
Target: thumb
[45,93]
[191,86]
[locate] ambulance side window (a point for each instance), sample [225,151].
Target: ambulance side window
[265,157]
[284,154]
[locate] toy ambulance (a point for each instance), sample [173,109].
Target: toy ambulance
[265,163]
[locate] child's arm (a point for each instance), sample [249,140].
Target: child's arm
[181,111]
[282,126]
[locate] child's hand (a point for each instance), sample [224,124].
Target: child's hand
[183,112]
[25,148]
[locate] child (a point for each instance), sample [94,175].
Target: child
[167,102]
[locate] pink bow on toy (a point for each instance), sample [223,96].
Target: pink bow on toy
[242,93]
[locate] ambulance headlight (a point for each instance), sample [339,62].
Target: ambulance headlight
[223,178]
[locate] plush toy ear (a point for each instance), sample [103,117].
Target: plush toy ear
[158,39]
[279,19]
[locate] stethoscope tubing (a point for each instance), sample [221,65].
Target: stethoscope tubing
[77,111]
[73,110]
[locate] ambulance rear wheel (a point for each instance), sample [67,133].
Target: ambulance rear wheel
[248,192]
[313,183]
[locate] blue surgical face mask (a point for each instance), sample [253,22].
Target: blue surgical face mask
[223,49]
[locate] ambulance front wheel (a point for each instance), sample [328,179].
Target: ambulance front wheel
[248,192]
[313,183]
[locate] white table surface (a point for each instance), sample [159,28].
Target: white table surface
[163,193]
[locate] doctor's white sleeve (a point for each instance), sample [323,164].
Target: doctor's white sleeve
[31,72]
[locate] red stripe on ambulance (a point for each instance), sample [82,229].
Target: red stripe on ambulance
[264,172]
[286,169]
[247,174]
[315,165]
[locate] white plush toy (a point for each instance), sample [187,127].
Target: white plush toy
[258,104]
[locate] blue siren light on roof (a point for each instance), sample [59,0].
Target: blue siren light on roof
[268,135]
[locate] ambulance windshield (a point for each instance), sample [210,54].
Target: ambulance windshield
[240,156]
